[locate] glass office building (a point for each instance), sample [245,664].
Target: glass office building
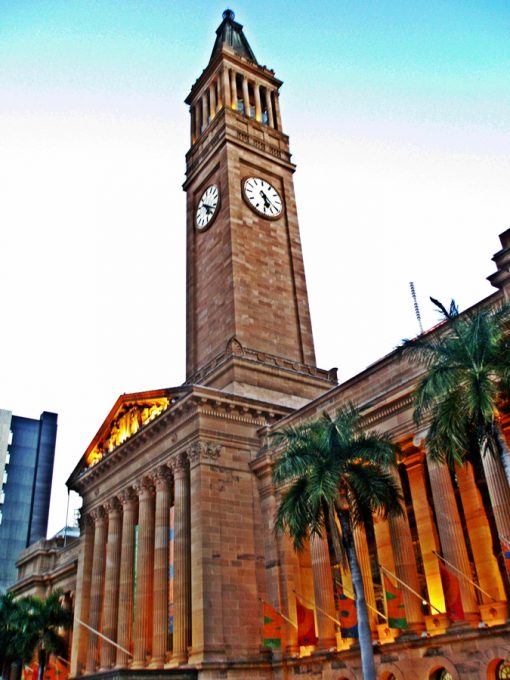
[27,452]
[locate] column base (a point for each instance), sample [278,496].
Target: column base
[138,665]
[436,624]
[157,664]
[327,645]
[209,654]
[175,662]
[494,613]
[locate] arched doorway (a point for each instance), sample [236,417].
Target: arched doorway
[441,674]
[502,671]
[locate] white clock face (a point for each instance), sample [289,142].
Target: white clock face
[207,207]
[262,197]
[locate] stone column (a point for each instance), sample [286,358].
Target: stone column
[269,103]
[405,568]
[82,605]
[205,112]
[127,571]
[196,109]
[425,527]
[208,640]
[258,106]
[160,610]
[274,565]
[182,548]
[233,89]
[111,590]
[226,88]
[192,121]
[480,536]
[246,97]
[450,532]
[323,589]
[277,115]
[96,588]
[142,629]
[212,98]
[499,492]
[361,545]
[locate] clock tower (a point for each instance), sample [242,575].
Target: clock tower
[248,320]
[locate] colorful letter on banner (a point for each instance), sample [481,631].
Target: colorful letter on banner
[505,544]
[171,544]
[348,616]
[306,625]
[452,597]
[395,605]
[55,670]
[31,671]
[272,627]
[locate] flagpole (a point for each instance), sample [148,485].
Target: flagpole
[319,608]
[504,540]
[353,597]
[85,625]
[278,612]
[409,588]
[464,576]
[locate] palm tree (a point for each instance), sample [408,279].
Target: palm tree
[9,631]
[335,477]
[466,383]
[41,624]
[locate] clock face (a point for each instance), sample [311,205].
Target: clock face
[207,207]
[262,197]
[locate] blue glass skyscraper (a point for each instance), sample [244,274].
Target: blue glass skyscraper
[27,452]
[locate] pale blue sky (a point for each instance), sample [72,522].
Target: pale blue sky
[398,115]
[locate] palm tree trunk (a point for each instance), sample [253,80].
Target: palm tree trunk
[364,632]
[502,448]
[41,658]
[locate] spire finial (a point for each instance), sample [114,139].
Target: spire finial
[229,14]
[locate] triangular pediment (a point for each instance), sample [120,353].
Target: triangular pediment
[130,413]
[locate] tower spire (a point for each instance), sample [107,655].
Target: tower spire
[230,34]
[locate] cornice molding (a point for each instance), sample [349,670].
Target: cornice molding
[235,350]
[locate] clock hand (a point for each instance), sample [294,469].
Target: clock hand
[267,202]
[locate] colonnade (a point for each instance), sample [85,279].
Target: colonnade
[229,88]
[123,573]
[445,515]
[123,576]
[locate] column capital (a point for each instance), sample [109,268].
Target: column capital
[178,464]
[144,488]
[98,514]
[203,450]
[127,496]
[414,459]
[112,506]
[84,520]
[262,466]
[161,477]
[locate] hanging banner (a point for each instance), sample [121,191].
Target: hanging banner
[306,625]
[452,596]
[348,616]
[272,627]
[395,604]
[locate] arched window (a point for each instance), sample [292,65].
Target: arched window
[503,670]
[441,674]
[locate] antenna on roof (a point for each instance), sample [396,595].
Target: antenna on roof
[416,308]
